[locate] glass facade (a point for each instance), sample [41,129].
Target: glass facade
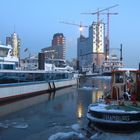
[7,66]
[7,77]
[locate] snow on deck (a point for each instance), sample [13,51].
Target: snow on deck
[103,108]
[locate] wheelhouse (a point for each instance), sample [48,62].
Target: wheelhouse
[118,84]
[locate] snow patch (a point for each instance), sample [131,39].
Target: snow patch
[87,88]
[69,135]
[102,77]
[76,127]
[14,124]
[2,125]
[21,126]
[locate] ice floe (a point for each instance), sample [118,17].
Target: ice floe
[68,135]
[76,127]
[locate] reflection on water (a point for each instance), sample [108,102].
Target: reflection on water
[22,104]
[96,95]
[80,110]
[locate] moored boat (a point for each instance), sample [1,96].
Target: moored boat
[16,83]
[119,111]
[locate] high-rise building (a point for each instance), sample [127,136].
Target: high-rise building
[58,39]
[15,43]
[96,33]
[58,48]
[59,45]
[90,51]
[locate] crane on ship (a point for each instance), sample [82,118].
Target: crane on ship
[81,26]
[98,12]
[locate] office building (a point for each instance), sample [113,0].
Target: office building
[58,48]
[90,50]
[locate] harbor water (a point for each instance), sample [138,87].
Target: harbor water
[59,115]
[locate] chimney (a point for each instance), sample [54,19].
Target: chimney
[41,61]
[121,53]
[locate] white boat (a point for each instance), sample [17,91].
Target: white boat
[7,60]
[31,63]
[112,63]
[17,83]
[57,65]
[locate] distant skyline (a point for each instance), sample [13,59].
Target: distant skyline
[36,21]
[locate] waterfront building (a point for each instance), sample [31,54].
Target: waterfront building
[58,39]
[59,45]
[58,48]
[90,50]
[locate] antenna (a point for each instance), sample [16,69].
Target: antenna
[14,28]
[121,58]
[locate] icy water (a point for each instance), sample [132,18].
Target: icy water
[59,116]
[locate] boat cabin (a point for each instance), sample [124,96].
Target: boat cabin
[118,84]
[125,82]
[7,60]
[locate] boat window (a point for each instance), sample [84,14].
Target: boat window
[119,78]
[39,77]
[6,78]
[3,52]
[9,78]
[8,66]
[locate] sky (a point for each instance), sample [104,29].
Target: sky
[36,21]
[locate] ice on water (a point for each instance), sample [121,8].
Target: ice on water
[21,124]
[89,88]
[66,136]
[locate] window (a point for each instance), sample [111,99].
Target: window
[119,78]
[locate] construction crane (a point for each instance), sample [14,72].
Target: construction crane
[99,11]
[81,26]
[108,34]
[98,23]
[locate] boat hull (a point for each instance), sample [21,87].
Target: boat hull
[113,121]
[19,91]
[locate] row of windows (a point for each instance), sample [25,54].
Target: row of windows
[6,78]
[7,66]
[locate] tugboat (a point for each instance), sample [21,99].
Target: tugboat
[119,111]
